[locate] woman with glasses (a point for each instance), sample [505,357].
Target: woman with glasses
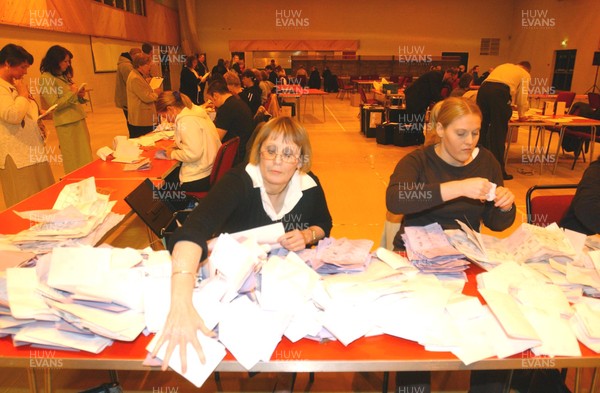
[24,168]
[58,88]
[275,186]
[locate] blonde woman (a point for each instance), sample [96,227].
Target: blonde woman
[196,139]
[140,97]
[276,185]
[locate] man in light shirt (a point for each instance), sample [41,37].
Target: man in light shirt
[507,85]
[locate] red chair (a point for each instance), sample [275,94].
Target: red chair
[223,162]
[543,210]
[364,100]
[594,100]
[584,137]
[567,97]
[345,87]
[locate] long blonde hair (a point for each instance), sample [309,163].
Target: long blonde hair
[172,98]
[445,112]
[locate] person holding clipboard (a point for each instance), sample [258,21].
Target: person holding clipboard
[24,168]
[57,88]
[141,96]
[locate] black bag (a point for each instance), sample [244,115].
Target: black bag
[370,117]
[409,134]
[384,135]
[539,381]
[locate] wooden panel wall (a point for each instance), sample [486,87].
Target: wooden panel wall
[159,26]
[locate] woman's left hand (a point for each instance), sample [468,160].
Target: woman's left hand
[293,240]
[504,198]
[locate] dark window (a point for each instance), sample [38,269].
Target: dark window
[490,46]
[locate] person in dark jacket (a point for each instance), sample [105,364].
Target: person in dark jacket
[314,81]
[584,212]
[189,80]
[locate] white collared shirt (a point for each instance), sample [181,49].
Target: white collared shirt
[299,182]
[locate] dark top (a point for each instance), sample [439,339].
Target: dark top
[235,117]
[424,91]
[273,77]
[314,82]
[218,69]
[584,212]
[414,191]
[236,68]
[253,97]
[188,84]
[234,204]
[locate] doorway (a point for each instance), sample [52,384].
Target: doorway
[564,63]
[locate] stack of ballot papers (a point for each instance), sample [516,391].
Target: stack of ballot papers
[164,131]
[333,256]
[428,249]
[80,298]
[80,215]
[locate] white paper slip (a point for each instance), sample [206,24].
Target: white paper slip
[48,111]
[395,260]
[507,311]
[197,373]
[25,302]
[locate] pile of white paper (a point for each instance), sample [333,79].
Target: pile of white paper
[80,298]
[80,215]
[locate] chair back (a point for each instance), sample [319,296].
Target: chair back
[594,100]
[224,159]
[363,95]
[543,210]
[567,97]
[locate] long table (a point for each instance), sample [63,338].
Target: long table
[377,353]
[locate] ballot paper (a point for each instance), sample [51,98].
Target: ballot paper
[127,151]
[47,334]
[430,251]
[250,333]
[25,302]
[155,82]
[142,165]
[197,373]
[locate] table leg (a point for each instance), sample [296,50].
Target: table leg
[31,380]
[593,384]
[508,141]
[577,381]
[48,380]
[323,102]
[560,139]
[592,143]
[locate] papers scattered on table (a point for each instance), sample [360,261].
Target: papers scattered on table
[80,215]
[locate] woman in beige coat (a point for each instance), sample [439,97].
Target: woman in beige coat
[140,97]
[57,88]
[24,168]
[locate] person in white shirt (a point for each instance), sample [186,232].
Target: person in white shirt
[507,85]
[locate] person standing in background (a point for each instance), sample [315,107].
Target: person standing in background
[154,60]
[507,85]
[69,117]
[204,72]
[24,168]
[189,80]
[124,67]
[141,97]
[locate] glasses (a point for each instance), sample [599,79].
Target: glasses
[286,157]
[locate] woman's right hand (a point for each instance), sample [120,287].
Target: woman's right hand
[181,329]
[473,187]
[21,87]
